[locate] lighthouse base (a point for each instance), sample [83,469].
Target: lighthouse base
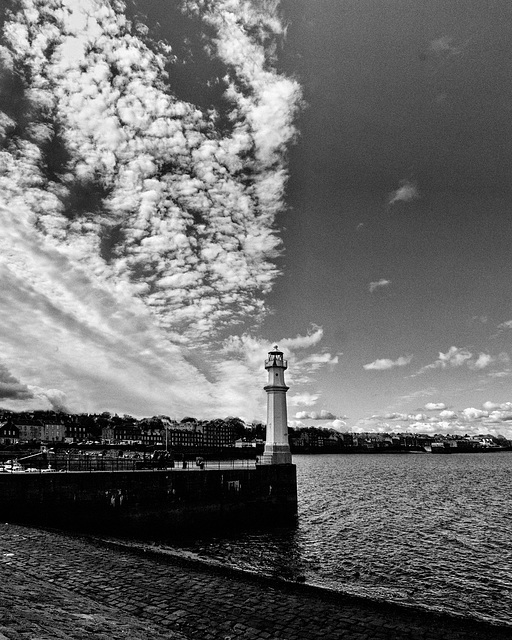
[276,454]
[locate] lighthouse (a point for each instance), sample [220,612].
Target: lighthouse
[277,447]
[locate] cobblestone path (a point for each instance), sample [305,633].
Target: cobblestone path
[55,586]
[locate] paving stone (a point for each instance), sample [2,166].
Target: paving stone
[83,589]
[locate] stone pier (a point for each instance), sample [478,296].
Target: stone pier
[171,500]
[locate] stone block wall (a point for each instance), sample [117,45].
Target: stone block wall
[133,501]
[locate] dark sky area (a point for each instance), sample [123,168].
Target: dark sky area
[396,93]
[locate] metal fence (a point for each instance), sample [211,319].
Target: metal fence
[97,463]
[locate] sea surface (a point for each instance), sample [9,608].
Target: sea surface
[432,531]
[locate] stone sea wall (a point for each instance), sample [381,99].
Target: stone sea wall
[132,500]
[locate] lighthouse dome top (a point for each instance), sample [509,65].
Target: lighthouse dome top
[275,359]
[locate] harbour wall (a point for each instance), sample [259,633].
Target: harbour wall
[137,501]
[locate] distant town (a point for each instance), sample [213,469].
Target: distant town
[228,436]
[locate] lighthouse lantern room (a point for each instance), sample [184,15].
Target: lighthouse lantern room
[277,447]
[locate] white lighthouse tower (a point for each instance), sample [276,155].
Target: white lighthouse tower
[277,448]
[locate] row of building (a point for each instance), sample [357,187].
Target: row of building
[163,432]
[315,439]
[154,432]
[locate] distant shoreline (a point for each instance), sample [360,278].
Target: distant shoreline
[393,451]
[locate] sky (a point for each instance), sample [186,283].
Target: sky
[185,183]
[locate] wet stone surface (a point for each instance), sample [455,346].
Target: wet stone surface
[56,586]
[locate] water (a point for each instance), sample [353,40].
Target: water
[432,531]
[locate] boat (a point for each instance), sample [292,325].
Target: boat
[440,447]
[11,466]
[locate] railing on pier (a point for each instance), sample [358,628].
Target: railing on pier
[97,463]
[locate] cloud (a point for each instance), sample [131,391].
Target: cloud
[315,361]
[337,425]
[473,414]
[483,361]
[56,398]
[327,415]
[420,393]
[303,399]
[379,284]
[435,406]
[492,406]
[14,391]
[500,374]
[456,357]
[406,192]
[385,363]
[136,231]
[11,388]
[303,342]
[315,415]
[498,417]
[444,46]
[250,353]
[447,415]
[493,419]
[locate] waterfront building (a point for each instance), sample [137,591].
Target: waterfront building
[129,433]
[277,447]
[53,432]
[9,433]
[185,436]
[75,432]
[152,437]
[218,434]
[29,430]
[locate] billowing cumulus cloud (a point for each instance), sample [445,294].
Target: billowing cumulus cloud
[406,192]
[337,425]
[482,361]
[473,414]
[378,284]
[435,406]
[315,415]
[385,363]
[12,389]
[493,418]
[491,406]
[138,228]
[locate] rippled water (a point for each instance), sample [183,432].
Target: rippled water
[430,530]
